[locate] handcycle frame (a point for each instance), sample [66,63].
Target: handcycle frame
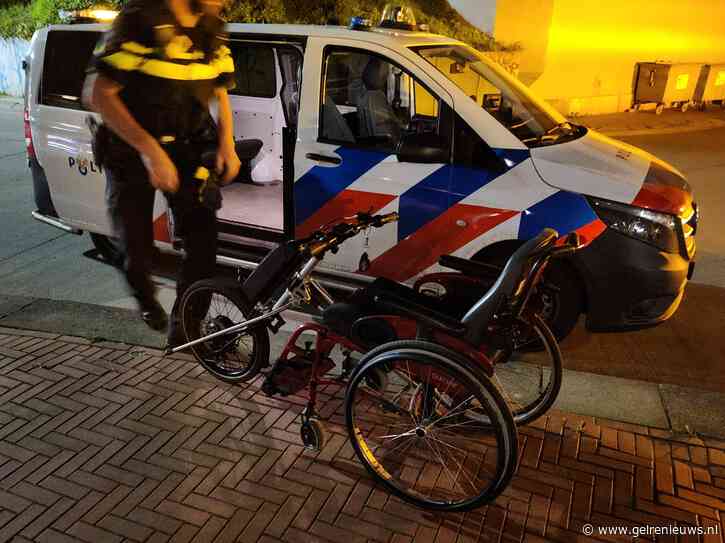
[301,280]
[302,287]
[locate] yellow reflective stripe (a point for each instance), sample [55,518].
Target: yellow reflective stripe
[171,70]
[124,61]
[185,56]
[224,65]
[223,60]
[134,47]
[180,48]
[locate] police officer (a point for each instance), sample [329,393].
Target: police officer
[152,79]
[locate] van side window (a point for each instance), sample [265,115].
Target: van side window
[256,73]
[369,101]
[67,54]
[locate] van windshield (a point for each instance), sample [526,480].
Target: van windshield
[508,100]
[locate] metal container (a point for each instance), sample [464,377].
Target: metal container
[665,84]
[711,86]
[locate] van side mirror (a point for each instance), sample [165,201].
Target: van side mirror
[423,149]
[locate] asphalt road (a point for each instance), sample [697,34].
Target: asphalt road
[38,260]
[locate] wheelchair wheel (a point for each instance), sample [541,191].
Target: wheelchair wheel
[529,374]
[211,305]
[438,435]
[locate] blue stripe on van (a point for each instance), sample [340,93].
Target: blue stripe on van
[437,193]
[321,184]
[513,157]
[562,211]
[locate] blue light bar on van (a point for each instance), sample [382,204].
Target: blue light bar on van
[360,23]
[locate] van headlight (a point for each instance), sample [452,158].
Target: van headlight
[653,227]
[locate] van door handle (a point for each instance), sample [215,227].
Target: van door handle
[324,158]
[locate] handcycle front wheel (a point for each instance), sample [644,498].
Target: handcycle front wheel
[436,433]
[211,305]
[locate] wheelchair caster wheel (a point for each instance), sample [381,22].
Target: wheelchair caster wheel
[313,435]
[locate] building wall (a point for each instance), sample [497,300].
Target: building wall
[480,13]
[593,47]
[580,54]
[12,78]
[525,22]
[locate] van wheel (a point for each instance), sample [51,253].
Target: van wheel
[560,299]
[109,248]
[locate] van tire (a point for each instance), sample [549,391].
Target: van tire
[109,249]
[567,289]
[568,304]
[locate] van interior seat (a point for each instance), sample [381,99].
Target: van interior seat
[247,150]
[334,125]
[377,117]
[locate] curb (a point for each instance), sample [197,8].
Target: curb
[712,125]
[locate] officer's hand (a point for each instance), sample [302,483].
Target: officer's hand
[163,175]
[227,163]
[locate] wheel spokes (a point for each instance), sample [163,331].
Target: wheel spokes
[412,435]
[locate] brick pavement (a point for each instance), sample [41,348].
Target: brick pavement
[107,442]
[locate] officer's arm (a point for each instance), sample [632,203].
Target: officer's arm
[227,160]
[104,99]
[226,123]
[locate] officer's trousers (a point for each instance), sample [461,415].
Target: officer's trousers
[130,199]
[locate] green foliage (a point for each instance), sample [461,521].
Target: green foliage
[16,21]
[256,11]
[22,19]
[437,14]
[45,12]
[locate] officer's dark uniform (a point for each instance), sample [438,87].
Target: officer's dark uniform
[168,73]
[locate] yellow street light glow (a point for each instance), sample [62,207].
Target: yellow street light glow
[585,38]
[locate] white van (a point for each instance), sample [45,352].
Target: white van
[341,119]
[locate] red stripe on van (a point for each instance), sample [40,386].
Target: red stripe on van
[590,232]
[440,236]
[347,203]
[161,229]
[666,199]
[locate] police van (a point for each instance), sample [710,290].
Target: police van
[335,120]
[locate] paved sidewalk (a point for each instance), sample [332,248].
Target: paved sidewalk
[646,122]
[110,442]
[668,377]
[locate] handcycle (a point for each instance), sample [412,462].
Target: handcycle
[433,382]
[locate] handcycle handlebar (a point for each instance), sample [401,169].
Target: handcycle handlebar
[322,241]
[572,243]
